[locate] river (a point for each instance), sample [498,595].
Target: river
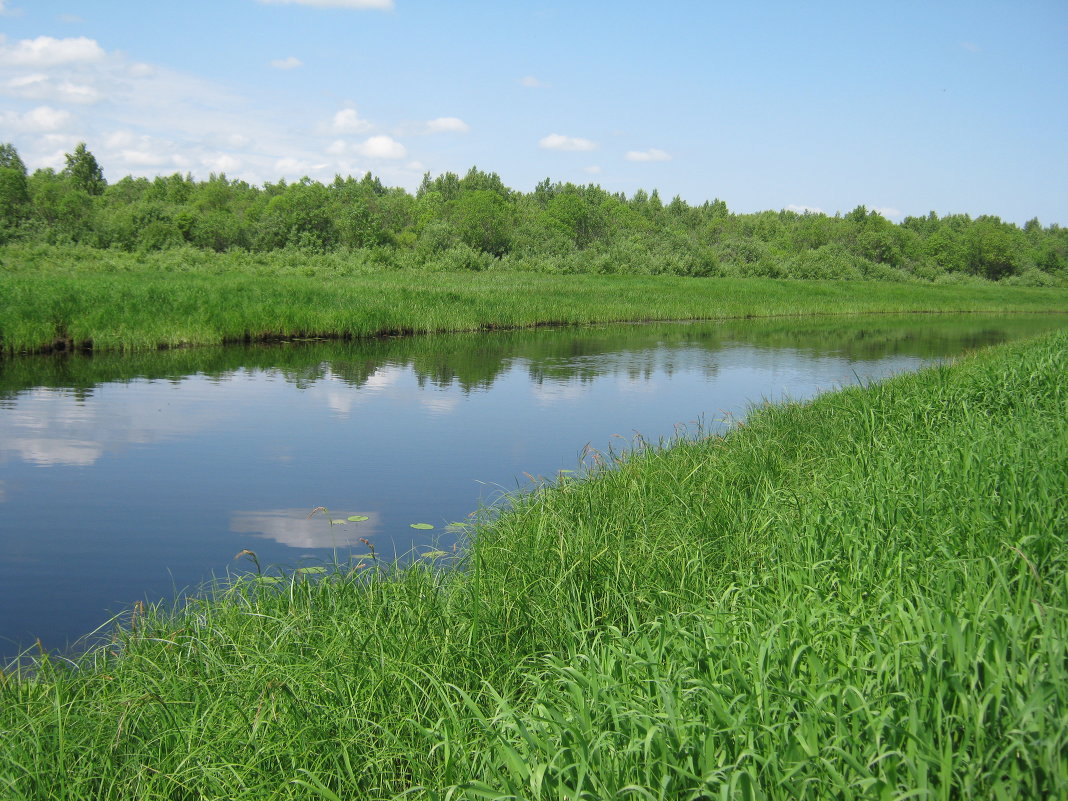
[140,477]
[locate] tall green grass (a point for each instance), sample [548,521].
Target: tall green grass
[55,297]
[865,596]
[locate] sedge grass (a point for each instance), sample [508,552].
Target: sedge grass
[56,297]
[861,597]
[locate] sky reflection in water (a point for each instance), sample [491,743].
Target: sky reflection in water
[126,478]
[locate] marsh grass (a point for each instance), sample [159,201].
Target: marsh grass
[864,596]
[52,297]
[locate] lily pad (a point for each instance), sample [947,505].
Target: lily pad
[357,518]
[311,569]
[337,522]
[267,579]
[433,554]
[422,526]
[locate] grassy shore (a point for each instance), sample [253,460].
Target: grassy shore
[865,596]
[108,300]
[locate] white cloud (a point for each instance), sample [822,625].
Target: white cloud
[593,169]
[382,147]
[561,142]
[77,92]
[42,118]
[382,5]
[142,158]
[71,19]
[288,63]
[375,147]
[222,162]
[38,86]
[292,167]
[45,51]
[157,120]
[447,125]
[652,154]
[348,121]
[804,209]
[531,82]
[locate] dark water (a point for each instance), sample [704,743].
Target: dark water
[135,478]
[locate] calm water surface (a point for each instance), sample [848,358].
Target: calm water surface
[135,478]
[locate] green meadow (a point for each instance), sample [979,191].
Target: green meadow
[76,297]
[860,597]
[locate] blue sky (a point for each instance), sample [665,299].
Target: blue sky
[904,107]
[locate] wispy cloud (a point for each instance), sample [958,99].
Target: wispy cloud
[42,118]
[447,125]
[652,154]
[39,86]
[556,141]
[971,47]
[531,82]
[804,209]
[288,63]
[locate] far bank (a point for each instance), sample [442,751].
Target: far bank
[78,298]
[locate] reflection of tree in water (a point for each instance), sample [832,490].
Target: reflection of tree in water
[476,360]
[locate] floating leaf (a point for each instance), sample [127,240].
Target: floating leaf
[311,569]
[422,526]
[358,518]
[433,554]
[337,522]
[267,579]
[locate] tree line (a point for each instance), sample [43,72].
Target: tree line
[475,222]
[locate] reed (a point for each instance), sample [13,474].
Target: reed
[864,596]
[54,297]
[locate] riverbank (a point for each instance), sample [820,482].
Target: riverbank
[76,298]
[861,596]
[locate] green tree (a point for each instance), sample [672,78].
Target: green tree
[484,220]
[14,190]
[991,251]
[84,172]
[577,219]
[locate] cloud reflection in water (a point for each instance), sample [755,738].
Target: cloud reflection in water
[293,528]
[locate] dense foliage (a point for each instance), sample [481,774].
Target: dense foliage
[476,222]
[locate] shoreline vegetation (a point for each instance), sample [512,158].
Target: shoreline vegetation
[861,596]
[476,223]
[148,263]
[77,298]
